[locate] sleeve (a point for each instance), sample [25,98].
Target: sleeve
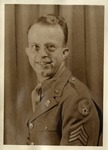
[80,121]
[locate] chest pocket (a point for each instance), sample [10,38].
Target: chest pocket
[50,121]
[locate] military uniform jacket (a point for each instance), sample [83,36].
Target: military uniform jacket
[66,114]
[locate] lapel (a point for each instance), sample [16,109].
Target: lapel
[46,103]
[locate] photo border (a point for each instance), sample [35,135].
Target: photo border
[105,83]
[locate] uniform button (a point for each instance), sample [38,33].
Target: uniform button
[46,128]
[31,125]
[32,143]
[56,91]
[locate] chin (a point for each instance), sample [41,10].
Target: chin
[47,73]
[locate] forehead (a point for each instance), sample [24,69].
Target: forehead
[44,33]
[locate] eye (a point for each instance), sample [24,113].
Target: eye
[51,47]
[35,47]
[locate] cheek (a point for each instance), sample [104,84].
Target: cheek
[31,59]
[31,56]
[58,57]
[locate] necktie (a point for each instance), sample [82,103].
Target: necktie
[36,96]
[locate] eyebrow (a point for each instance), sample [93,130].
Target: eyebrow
[44,43]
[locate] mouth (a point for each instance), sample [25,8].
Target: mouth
[44,63]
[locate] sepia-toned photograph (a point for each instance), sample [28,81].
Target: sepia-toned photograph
[53,78]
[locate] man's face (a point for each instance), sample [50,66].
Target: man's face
[46,52]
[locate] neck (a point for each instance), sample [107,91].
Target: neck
[41,79]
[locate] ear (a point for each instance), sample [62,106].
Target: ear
[27,51]
[66,52]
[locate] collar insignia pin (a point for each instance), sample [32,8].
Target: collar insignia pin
[47,103]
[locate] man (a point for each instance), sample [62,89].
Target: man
[63,110]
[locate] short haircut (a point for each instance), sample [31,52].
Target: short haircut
[52,19]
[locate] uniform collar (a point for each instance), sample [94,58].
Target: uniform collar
[47,84]
[57,83]
[61,82]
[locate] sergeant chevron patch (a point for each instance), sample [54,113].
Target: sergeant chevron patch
[79,134]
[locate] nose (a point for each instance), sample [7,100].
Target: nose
[42,52]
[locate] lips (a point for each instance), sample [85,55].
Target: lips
[44,63]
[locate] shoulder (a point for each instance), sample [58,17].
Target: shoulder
[77,97]
[76,88]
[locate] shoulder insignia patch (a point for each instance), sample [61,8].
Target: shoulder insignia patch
[79,134]
[84,107]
